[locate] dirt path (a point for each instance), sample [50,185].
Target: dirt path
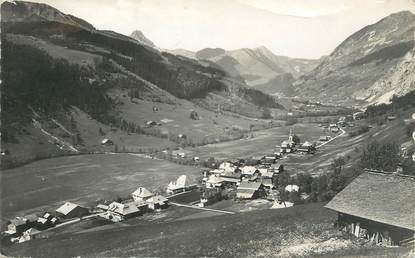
[200,208]
[332,139]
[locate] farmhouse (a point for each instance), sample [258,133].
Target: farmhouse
[248,170]
[107,142]
[178,186]
[18,225]
[307,147]
[141,194]
[378,206]
[214,181]
[157,202]
[231,178]
[250,190]
[71,210]
[120,211]
[292,188]
[227,167]
[324,138]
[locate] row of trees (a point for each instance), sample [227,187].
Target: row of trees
[322,188]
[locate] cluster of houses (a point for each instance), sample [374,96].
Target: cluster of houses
[21,229]
[250,181]
[141,201]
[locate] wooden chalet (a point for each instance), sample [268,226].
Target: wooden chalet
[20,224]
[71,210]
[157,202]
[307,147]
[120,211]
[141,194]
[378,206]
[250,190]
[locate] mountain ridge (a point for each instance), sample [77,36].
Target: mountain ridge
[360,61]
[104,84]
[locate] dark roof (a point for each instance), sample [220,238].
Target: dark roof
[383,197]
[18,221]
[249,185]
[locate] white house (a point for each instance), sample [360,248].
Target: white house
[120,211]
[178,186]
[248,170]
[157,202]
[214,181]
[292,188]
[141,194]
[227,167]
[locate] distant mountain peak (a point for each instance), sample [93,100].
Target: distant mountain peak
[139,36]
[262,48]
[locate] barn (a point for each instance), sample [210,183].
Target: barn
[250,190]
[378,206]
[71,210]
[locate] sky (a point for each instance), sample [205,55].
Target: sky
[295,28]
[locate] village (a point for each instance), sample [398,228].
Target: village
[256,178]
[239,180]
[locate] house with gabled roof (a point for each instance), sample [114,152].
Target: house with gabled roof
[227,166]
[378,206]
[120,211]
[178,186]
[248,170]
[214,181]
[157,202]
[71,210]
[141,194]
[250,190]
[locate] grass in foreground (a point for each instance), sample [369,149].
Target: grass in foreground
[298,231]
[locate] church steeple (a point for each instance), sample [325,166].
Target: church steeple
[290,136]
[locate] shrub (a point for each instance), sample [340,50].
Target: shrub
[360,130]
[291,121]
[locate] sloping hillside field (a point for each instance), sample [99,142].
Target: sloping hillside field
[48,183]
